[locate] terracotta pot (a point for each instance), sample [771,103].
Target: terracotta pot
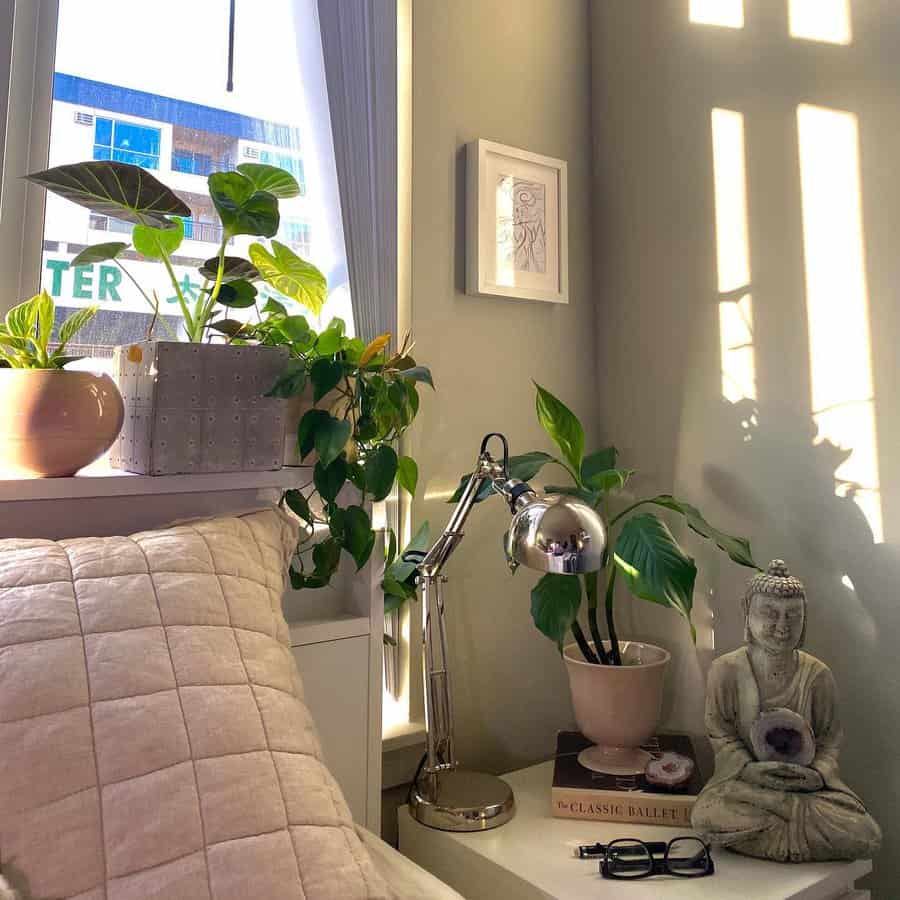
[618,707]
[54,422]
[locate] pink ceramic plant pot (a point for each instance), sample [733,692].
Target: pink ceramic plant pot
[54,422]
[618,707]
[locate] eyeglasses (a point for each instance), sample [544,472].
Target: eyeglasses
[686,857]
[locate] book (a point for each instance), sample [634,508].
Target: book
[579,793]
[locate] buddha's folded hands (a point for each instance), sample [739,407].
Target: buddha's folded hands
[778,776]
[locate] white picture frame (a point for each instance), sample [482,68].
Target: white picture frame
[517,224]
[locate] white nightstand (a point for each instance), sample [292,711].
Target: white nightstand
[531,858]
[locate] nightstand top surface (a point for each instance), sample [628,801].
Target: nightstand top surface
[537,851]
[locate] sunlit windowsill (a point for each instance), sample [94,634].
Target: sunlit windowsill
[99,480]
[399,735]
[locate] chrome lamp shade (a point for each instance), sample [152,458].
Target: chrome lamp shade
[559,534]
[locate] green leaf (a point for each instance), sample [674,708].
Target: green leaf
[326,557]
[336,520]
[299,505]
[419,373]
[290,275]
[97,253]
[291,382]
[328,342]
[737,548]
[294,328]
[231,327]
[277,182]
[325,374]
[235,269]
[562,425]
[330,479]
[356,475]
[555,601]
[420,542]
[242,208]
[309,426]
[524,467]
[412,397]
[608,479]
[74,323]
[115,189]
[390,553]
[381,469]
[158,243]
[273,307]
[407,474]
[599,461]
[237,294]
[589,497]
[45,319]
[359,539]
[331,436]
[21,319]
[655,567]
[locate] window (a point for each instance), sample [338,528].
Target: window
[122,105]
[126,142]
[292,164]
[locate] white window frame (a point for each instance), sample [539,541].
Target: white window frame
[26,79]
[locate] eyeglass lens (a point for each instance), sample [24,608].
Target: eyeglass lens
[628,859]
[687,856]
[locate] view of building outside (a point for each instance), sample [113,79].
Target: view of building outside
[130,88]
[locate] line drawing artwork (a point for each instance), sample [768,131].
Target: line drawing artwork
[521,224]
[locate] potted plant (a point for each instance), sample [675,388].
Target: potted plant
[53,422]
[363,400]
[194,406]
[616,685]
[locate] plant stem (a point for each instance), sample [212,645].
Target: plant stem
[188,320]
[627,510]
[583,645]
[610,623]
[590,584]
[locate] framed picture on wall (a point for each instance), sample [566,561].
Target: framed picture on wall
[516,224]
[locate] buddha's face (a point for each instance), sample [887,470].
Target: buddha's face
[776,624]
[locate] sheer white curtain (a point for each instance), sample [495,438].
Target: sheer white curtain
[359,44]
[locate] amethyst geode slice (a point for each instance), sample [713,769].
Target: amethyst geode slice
[671,771]
[781,735]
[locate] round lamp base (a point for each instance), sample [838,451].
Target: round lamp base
[615,760]
[459,800]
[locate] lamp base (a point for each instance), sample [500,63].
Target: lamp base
[459,800]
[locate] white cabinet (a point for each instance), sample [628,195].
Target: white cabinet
[336,681]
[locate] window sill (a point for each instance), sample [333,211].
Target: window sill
[402,735]
[102,481]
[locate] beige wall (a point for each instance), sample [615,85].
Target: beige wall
[518,73]
[655,79]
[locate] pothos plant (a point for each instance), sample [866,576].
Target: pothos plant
[640,547]
[246,201]
[364,398]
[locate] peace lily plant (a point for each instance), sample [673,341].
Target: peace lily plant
[246,201]
[641,548]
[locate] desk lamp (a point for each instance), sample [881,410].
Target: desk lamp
[558,534]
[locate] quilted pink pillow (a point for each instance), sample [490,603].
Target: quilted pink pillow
[154,741]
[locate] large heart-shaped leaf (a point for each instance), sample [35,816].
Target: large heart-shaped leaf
[277,182]
[291,275]
[309,426]
[655,567]
[381,469]
[291,381]
[234,269]
[158,243]
[598,461]
[115,189]
[562,425]
[299,505]
[359,539]
[325,374]
[737,548]
[555,601]
[98,253]
[407,474]
[326,556]
[237,294]
[242,208]
[330,479]
[331,436]
[608,479]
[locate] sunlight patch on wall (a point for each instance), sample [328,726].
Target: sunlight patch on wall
[733,256]
[727,13]
[505,236]
[820,20]
[837,301]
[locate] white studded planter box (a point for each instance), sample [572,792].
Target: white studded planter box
[192,408]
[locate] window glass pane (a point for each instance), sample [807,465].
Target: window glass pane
[123,105]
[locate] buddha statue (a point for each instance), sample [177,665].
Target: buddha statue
[771,716]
